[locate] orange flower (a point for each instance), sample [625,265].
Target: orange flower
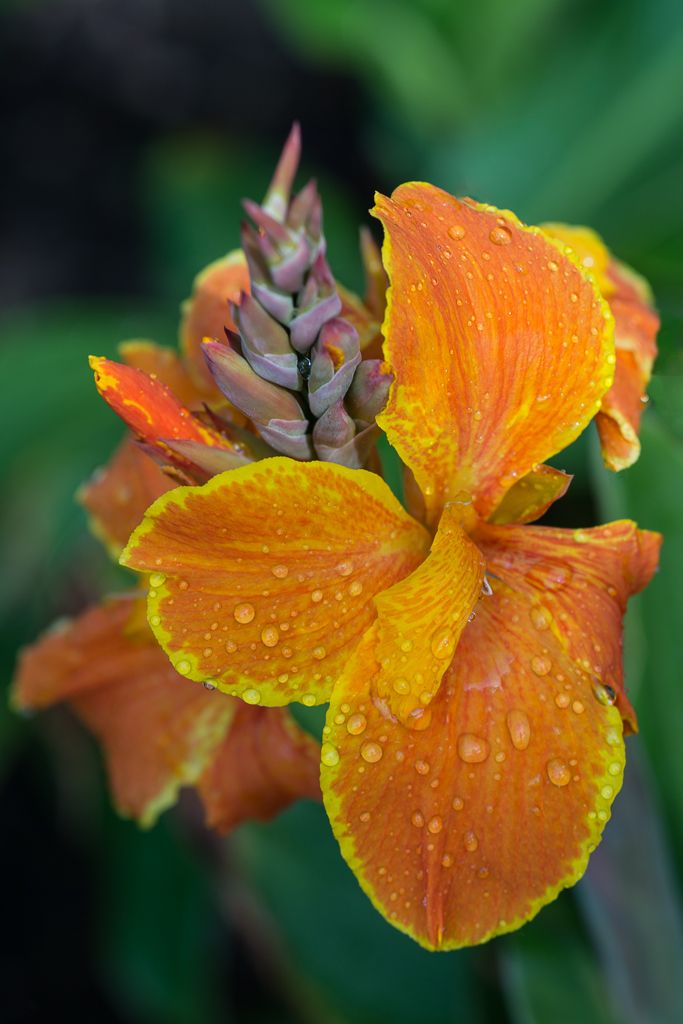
[473,744]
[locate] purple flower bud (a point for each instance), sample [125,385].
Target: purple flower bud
[290,437]
[279,190]
[335,356]
[369,390]
[355,453]
[258,399]
[334,428]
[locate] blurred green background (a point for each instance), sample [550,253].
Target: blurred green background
[131,129]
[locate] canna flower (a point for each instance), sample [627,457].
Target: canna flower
[472,662]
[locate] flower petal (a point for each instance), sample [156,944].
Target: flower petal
[635,331]
[264,764]
[419,622]
[207,313]
[532,496]
[263,579]
[500,346]
[157,731]
[465,829]
[117,495]
[164,364]
[147,405]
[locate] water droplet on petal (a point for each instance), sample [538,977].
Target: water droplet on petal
[355,588]
[156,579]
[443,643]
[422,767]
[501,236]
[519,729]
[607,792]
[614,768]
[356,724]
[539,618]
[183,666]
[329,755]
[604,693]
[251,696]
[435,825]
[244,613]
[417,819]
[308,699]
[558,772]
[270,636]
[319,653]
[456,231]
[541,665]
[470,841]
[344,568]
[280,571]
[316,596]
[472,749]
[371,752]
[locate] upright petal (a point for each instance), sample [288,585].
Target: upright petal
[264,764]
[500,346]
[117,495]
[263,579]
[532,496]
[157,731]
[635,331]
[207,313]
[465,829]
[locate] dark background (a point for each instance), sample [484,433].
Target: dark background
[130,131]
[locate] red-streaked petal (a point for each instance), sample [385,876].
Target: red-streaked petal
[500,346]
[164,364]
[265,763]
[147,405]
[532,496]
[157,731]
[635,332]
[465,829]
[263,579]
[117,495]
[419,622]
[206,313]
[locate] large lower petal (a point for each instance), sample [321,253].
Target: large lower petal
[635,332]
[157,731]
[465,829]
[501,347]
[117,495]
[263,580]
[264,764]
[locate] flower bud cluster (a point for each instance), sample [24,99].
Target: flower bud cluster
[295,367]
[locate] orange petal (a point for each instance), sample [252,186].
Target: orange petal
[146,405]
[263,579]
[419,622]
[265,763]
[164,364]
[532,496]
[118,494]
[158,732]
[635,331]
[465,829]
[367,325]
[500,346]
[207,313]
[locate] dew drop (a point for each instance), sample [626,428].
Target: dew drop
[329,755]
[308,699]
[422,767]
[456,231]
[472,749]
[401,686]
[355,588]
[231,647]
[371,752]
[280,571]
[435,825]
[519,729]
[541,665]
[251,696]
[501,236]
[562,700]
[443,643]
[244,613]
[458,803]
[417,819]
[209,686]
[344,568]
[154,620]
[578,708]
[317,596]
[356,724]
[183,666]
[607,792]
[270,636]
[614,768]
[539,618]
[156,579]
[558,772]
[470,841]
[319,653]
[446,860]
[603,692]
